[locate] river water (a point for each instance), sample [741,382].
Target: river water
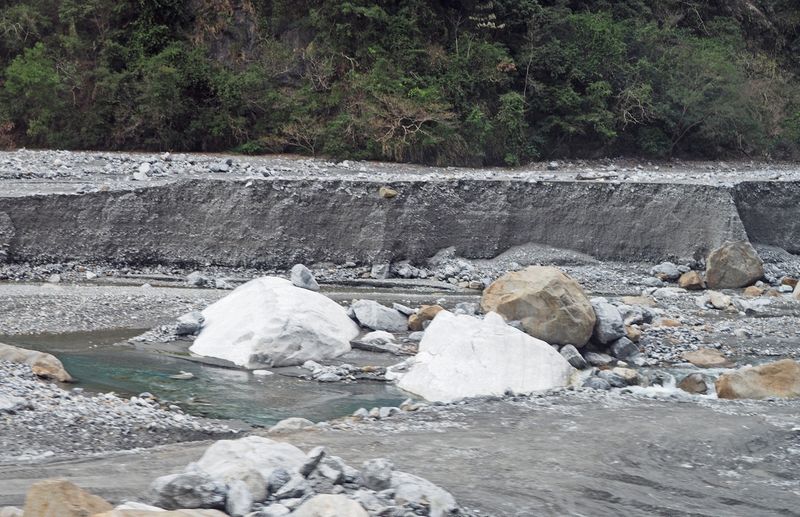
[102,362]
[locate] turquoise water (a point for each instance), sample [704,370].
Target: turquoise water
[100,364]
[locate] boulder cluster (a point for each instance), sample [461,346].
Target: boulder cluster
[258,477]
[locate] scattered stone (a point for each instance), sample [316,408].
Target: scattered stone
[692,281]
[733,265]
[197,279]
[426,313]
[598,359]
[707,358]
[693,383]
[188,490]
[387,193]
[624,349]
[630,375]
[269,322]
[573,357]
[380,271]
[414,490]
[779,379]
[330,505]
[753,291]
[375,316]
[292,424]
[54,279]
[633,333]
[597,383]
[42,364]
[718,300]
[463,356]
[315,456]
[61,498]
[302,277]
[614,380]
[551,305]
[189,324]
[666,271]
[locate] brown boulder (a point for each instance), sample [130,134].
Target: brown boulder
[753,291]
[707,358]
[426,313]
[693,383]
[43,365]
[733,265]
[691,281]
[61,498]
[387,193]
[787,280]
[778,379]
[550,305]
[633,333]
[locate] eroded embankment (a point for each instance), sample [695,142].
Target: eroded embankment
[276,223]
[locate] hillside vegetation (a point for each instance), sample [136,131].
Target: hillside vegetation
[447,82]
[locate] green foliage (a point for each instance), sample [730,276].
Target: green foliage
[467,82]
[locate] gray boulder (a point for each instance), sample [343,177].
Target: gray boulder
[377,474]
[188,490]
[597,383]
[614,380]
[624,349]
[598,359]
[608,324]
[197,279]
[666,271]
[733,265]
[190,323]
[330,505]
[414,490]
[372,314]
[302,277]
[573,357]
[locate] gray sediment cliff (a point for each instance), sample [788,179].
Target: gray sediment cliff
[279,222]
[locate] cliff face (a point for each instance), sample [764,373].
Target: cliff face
[277,223]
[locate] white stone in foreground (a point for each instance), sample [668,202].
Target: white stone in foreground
[463,356]
[269,322]
[251,452]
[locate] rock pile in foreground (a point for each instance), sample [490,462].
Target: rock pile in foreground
[259,477]
[39,420]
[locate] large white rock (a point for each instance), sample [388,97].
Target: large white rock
[462,356]
[270,322]
[227,457]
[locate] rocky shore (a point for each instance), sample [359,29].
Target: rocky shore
[42,421]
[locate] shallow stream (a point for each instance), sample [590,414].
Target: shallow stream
[102,362]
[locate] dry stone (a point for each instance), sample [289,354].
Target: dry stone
[43,365]
[779,379]
[733,265]
[426,313]
[550,305]
[62,498]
